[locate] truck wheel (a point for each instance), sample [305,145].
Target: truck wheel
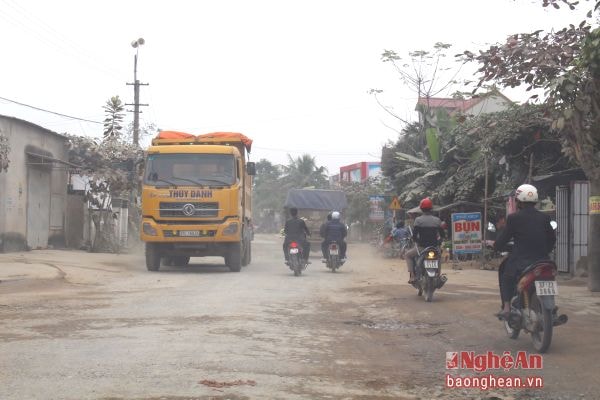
[233,259]
[247,257]
[181,261]
[152,257]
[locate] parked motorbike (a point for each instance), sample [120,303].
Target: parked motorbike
[533,307]
[297,262]
[333,261]
[428,274]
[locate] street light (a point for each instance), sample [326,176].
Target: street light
[136,93]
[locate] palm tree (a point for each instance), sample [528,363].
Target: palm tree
[114,118]
[302,172]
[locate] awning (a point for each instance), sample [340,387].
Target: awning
[417,210]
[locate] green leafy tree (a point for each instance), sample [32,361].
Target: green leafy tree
[112,169]
[565,64]
[510,140]
[267,186]
[358,193]
[268,196]
[113,123]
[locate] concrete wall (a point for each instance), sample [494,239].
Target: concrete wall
[24,136]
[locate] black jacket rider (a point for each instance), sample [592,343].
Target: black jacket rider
[334,231]
[534,239]
[296,230]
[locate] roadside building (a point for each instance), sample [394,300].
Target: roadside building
[485,103]
[359,172]
[33,190]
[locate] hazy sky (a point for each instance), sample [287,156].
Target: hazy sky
[293,75]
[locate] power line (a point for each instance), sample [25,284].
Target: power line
[51,112]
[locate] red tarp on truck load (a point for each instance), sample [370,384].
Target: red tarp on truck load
[209,137]
[228,136]
[174,135]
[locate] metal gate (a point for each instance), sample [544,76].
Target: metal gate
[562,231]
[38,207]
[580,193]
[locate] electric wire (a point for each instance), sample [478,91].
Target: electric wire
[51,112]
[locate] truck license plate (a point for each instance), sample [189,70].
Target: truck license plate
[431,264]
[189,233]
[546,288]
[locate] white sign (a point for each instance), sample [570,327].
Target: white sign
[466,233]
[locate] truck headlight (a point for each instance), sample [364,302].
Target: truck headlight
[149,229]
[231,229]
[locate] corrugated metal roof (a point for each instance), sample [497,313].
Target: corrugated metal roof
[316,199]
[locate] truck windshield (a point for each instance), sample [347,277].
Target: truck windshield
[190,169]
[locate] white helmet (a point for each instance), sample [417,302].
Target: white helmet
[335,215]
[527,194]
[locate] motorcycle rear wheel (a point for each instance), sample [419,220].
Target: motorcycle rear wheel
[429,290]
[295,264]
[334,263]
[541,338]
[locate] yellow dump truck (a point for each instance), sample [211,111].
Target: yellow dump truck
[197,199]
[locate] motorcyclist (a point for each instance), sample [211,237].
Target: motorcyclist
[324,225]
[427,231]
[334,231]
[296,230]
[400,232]
[533,238]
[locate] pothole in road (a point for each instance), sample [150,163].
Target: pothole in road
[391,325]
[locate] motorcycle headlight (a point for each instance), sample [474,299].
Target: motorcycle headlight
[431,255]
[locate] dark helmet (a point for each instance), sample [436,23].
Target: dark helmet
[426,204]
[293,212]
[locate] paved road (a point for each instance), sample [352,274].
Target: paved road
[75,325]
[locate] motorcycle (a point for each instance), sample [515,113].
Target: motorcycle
[394,247]
[297,263]
[533,308]
[333,261]
[428,276]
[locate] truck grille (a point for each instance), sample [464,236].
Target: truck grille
[191,209]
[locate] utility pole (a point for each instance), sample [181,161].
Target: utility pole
[136,94]
[485,212]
